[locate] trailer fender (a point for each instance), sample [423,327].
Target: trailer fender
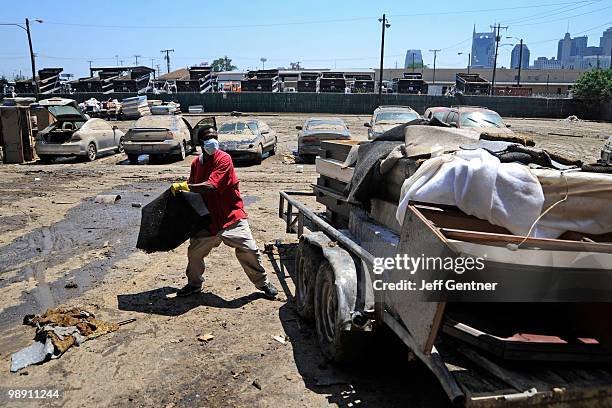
[345,274]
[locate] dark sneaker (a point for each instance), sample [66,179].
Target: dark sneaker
[188,290]
[269,290]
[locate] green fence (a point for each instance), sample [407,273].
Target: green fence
[353,103]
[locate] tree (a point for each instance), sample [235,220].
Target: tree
[594,86]
[223,64]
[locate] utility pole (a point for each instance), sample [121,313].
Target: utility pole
[385,25]
[32,60]
[90,61]
[121,61]
[434,67]
[167,58]
[413,66]
[497,39]
[263,62]
[117,60]
[518,80]
[136,58]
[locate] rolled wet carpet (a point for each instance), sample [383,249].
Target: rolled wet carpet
[169,220]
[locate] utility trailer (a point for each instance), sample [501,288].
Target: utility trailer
[331,82]
[483,354]
[410,83]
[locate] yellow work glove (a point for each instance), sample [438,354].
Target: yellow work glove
[179,187]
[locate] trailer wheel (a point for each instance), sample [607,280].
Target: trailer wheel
[307,262]
[332,339]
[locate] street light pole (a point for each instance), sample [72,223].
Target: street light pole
[434,67]
[469,60]
[32,59]
[413,66]
[385,25]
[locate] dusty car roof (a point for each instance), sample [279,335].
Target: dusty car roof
[472,108]
[394,107]
[331,119]
[162,121]
[56,101]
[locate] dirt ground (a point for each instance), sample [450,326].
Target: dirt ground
[52,233]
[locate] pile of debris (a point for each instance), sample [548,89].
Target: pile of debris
[135,107]
[56,331]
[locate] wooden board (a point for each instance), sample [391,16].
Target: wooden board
[333,169]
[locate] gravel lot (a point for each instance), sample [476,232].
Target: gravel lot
[52,232]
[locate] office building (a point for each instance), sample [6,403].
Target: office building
[413,57]
[483,49]
[516,57]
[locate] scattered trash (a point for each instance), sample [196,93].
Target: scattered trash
[282,339]
[205,338]
[107,198]
[572,118]
[56,331]
[105,244]
[136,205]
[36,178]
[71,285]
[256,384]
[299,168]
[288,158]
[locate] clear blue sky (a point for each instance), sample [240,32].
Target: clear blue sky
[74,32]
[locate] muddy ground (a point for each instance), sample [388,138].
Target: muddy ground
[53,234]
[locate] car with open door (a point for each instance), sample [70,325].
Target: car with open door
[72,133]
[163,136]
[247,138]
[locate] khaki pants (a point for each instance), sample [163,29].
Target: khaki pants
[237,236]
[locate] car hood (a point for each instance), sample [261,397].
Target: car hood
[236,137]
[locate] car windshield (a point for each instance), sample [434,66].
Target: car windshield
[325,125]
[396,117]
[439,115]
[63,110]
[156,122]
[237,128]
[482,119]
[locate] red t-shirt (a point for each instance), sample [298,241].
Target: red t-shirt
[225,204]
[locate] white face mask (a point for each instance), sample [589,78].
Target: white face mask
[210,146]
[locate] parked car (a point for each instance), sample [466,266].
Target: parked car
[247,139]
[387,117]
[315,130]
[476,118]
[73,133]
[436,112]
[163,135]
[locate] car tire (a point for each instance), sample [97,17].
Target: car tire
[337,345]
[120,148]
[133,158]
[274,147]
[259,155]
[92,152]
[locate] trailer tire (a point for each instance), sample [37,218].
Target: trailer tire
[307,261]
[333,341]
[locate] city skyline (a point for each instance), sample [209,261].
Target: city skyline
[341,40]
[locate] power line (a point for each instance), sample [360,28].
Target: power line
[562,18]
[338,20]
[550,13]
